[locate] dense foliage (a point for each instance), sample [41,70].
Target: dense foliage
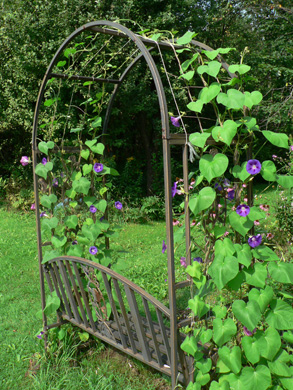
[31,32]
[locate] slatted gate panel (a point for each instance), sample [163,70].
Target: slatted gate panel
[114,309]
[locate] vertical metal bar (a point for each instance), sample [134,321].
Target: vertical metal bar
[186,206]
[138,323]
[124,314]
[65,299]
[171,265]
[84,297]
[113,307]
[77,296]
[166,341]
[152,330]
[69,292]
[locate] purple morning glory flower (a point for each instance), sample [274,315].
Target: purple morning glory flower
[43,214]
[231,194]
[247,332]
[174,189]
[74,242]
[44,161]
[164,247]
[118,205]
[291,148]
[198,259]
[175,121]
[93,209]
[39,336]
[93,250]
[33,206]
[255,241]
[98,167]
[243,210]
[102,218]
[226,183]
[218,187]
[183,262]
[24,160]
[55,182]
[253,167]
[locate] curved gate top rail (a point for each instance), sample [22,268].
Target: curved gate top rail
[152,337]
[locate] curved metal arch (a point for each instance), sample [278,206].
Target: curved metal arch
[134,62]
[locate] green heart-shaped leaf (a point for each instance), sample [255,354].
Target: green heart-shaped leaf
[278,139]
[189,345]
[71,221]
[187,76]
[203,200]
[251,348]
[240,172]
[42,170]
[240,68]
[211,167]
[75,250]
[209,93]
[248,314]
[233,99]
[223,269]
[226,132]
[49,255]
[231,358]
[241,224]
[224,247]
[284,181]
[58,242]
[220,311]
[199,139]
[99,148]
[268,171]
[198,306]
[45,146]
[281,315]
[47,200]
[195,106]
[206,335]
[256,275]
[194,270]
[223,330]
[204,365]
[269,343]
[281,272]
[252,99]
[102,205]
[97,122]
[264,253]
[85,154]
[49,223]
[186,38]
[212,54]
[212,68]
[187,63]
[258,379]
[91,232]
[87,168]
[82,185]
[243,253]
[52,304]
[217,386]
[262,297]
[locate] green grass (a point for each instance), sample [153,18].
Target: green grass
[23,364]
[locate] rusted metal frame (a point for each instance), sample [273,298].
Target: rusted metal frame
[165,45]
[69,292]
[83,78]
[152,330]
[64,296]
[76,293]
[138,356]
[117,276]
[182,284]
[114,310]
[124,315]
[167,343]
[137,322]
[170,254]
[186,207]
[84,297]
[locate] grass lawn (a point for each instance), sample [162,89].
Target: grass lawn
[91,365]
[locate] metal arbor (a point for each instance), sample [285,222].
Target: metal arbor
[149,333]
